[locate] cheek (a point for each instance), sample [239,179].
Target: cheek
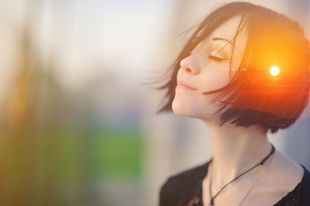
[200,106]
[214,78]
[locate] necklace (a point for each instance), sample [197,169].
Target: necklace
[211,202]
[249,191]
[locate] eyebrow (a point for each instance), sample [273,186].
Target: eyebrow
[223,39]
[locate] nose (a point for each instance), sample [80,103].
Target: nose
[190,65]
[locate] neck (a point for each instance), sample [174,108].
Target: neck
[236,149]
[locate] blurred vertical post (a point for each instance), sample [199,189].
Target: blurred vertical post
[18,148]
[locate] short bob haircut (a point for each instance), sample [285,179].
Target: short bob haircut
[253,97]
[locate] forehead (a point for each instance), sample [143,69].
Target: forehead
[227,31]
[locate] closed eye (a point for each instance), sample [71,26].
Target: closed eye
[216,58]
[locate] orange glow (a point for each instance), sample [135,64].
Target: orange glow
[274,71]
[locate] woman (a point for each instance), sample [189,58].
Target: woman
[244,72]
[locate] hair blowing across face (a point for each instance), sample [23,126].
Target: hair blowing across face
[253,97]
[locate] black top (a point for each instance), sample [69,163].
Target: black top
[185,189]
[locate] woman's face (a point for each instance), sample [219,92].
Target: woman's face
[207,69]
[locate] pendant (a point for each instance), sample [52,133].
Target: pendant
[211,203]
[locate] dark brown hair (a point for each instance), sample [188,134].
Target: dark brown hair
[253,97]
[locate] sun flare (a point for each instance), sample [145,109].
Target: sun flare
[274,71]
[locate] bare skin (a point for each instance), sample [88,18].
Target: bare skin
[236,150]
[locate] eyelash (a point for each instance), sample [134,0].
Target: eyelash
[215,58]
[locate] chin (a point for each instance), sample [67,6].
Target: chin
[180,108]
[188,110]
[192,110]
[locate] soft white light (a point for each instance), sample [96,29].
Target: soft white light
[274,71]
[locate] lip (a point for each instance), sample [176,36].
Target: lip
[186,85]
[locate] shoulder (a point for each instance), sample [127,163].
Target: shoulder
[181,184]
[187,176]
[305,188]
[284,173]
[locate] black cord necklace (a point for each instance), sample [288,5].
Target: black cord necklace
[211,203]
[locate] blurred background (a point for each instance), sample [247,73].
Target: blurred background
[77,115]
